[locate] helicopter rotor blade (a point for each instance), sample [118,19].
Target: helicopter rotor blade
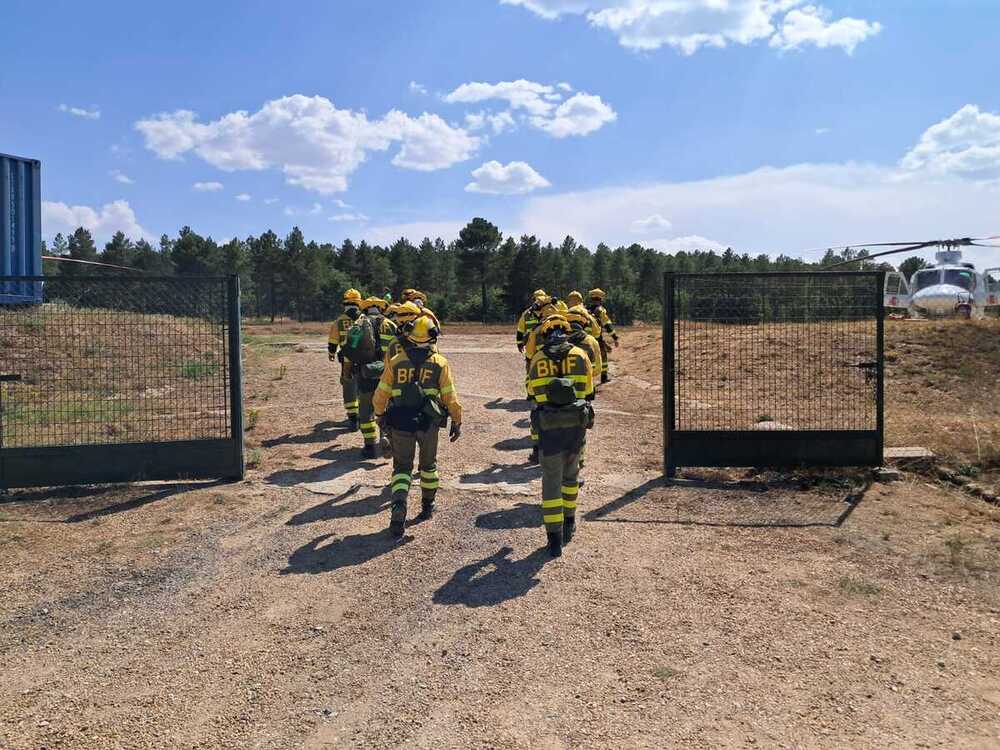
[917,246]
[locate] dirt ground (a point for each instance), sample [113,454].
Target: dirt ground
[777,611]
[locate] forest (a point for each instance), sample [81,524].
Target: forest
[479,275]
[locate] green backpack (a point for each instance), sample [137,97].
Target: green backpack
[361,344]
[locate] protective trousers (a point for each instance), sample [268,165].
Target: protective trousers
[350,384]
[605,354]
[366,415]
[404,446]
[560,487]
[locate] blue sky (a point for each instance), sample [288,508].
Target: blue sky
[772,125]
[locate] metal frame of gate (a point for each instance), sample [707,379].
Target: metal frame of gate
[95,462]
[781,448]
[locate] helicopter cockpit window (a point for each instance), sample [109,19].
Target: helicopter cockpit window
[993,282]
[924,279]
[964,279]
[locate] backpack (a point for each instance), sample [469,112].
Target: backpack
[560,392]
[362,343]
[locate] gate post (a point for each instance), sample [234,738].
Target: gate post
[880,366]
[669,416]
[235,372]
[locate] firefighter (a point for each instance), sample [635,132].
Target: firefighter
[574,299]
[597,309]
[338,333]
[528,320]
[560,382]
[420,300]
[582,336]
[548,307]
[368,374]
[414,399]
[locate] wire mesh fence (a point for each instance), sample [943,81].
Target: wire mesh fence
[112,360]
[776,352]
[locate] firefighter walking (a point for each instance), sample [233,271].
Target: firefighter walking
[336,339]
[560,382]
[375,337]
[414,398]
[596,308]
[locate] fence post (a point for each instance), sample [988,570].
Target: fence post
[236,372]
[880,364]
[669,469]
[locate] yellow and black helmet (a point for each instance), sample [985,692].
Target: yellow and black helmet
[406,312]
[407,294]
[598,295]
[378,302]
[420,330]
[552,323]
[574,298]
[578,314]
[538,294]
[352,297]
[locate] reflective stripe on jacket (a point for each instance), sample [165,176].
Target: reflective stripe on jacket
[575,366]
[434,376]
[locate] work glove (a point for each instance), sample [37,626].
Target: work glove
[520,346]
[456,431]
[615,339]
[340,356]
[590,416]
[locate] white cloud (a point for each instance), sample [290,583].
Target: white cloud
[967,144]
[316,145]
[822,131]
[652,223]
[207,187]
[543,104]
[87,114]
[244,197]
[270,201]
[124,179]
[515,178]
[688,25]
[349,217]
[314,210]
[688,243]
[102,223]
[813,25]
[414,231]
[417,88]
[339,203]
[579,115]
[564,86]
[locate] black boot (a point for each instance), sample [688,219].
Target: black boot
[397,523]
[555,543]
[569,526]
[426,509]
[604,377]
[368,451]
[533,456]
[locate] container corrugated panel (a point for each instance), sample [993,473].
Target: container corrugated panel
[20,228]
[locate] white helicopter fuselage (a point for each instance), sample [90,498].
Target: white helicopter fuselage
[948,289]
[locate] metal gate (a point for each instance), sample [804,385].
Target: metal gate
[773,369]
[118,379]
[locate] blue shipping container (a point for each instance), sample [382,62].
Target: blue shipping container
[20,228]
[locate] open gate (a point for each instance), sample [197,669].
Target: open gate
[117,379]
[773,369]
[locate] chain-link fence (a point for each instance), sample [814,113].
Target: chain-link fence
[111,361]
[767,358]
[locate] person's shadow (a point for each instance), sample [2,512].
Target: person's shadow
[334,507]
[473,586]
[521,516]
[357,549]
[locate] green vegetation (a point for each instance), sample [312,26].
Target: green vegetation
[666,673]
[199,369]
[854,585]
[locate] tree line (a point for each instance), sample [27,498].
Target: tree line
[479,275]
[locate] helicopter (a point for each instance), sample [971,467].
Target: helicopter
[949,288]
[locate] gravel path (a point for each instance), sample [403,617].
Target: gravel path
[275,613]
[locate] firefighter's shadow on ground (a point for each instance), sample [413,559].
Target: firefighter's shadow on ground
[342,460]
[322,432]
[493,579]
[729,504]
[322,555]
[521,516]
[503,474]
[335,507]
[514,444]
[507,404]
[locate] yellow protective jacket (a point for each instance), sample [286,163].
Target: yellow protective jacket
[338,333]
[434,376]
[575,366]
[527,323]
[593,349]
[600,314]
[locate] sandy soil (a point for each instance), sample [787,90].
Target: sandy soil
[780,611]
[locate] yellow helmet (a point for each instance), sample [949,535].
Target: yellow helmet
[378,302]
[598,294]
[578,314]
[352,297]
[407,312]
[574,298]
[407,294]
[418,295]
[538,294]
[420,330]
[552,323]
